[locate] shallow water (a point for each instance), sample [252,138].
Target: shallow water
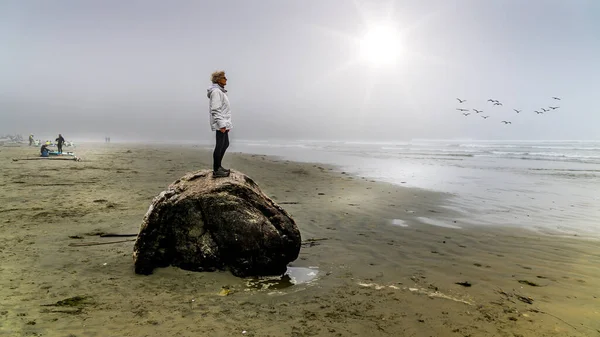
[436,222]
[399,223]
[293,276]
[552,186]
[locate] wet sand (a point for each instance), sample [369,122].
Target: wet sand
[375,276]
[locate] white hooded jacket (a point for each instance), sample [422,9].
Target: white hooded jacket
[219,110]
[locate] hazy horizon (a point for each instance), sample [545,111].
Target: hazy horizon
[138,70]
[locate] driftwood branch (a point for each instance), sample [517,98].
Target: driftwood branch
[95,243]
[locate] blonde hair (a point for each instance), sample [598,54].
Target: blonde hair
[217,75]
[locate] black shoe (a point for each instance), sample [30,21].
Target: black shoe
[220,174]
[224,169]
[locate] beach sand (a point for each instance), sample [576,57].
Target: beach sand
[375,276]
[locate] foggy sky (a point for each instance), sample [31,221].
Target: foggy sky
[138,70]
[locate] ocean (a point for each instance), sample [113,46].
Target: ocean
[549,186]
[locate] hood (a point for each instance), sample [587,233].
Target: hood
[214,86]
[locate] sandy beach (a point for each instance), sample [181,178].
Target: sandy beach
[379,270]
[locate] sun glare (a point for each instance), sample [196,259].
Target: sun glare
[380,46]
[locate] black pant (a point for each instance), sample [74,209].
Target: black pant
[220,148]
[59,145]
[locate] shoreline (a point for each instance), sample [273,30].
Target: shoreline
[446,221]
[373,277]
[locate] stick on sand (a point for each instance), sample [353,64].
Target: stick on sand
[115,235]
[95,243]
[47,158]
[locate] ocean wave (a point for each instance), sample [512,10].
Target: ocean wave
[491,145]
[550,156]
[572,175]
[562,155]
[563,159]
[442,154]
[580,153]
[563,170]
[524,146]
[411,152]
[375,143]
[302,146]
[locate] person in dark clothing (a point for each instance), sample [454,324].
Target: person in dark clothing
[44,151]
[59,142]
[220,120]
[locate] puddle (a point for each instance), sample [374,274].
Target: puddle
[293,276]
[399,223]
[434,222]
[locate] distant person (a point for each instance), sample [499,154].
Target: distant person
[30,140]
[59,142]
[220,120]
[44,151]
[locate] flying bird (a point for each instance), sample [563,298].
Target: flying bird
[461,100]
[492,100]
[485,117]
[554,107]
[505,122]
[459,109]
[556,98]
[539,112]
[545,110]
[467,113]
[477,111]
[517,111]
[497,103]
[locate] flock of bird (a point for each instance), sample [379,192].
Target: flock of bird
[496,102]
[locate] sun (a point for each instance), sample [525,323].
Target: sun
[380,46]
